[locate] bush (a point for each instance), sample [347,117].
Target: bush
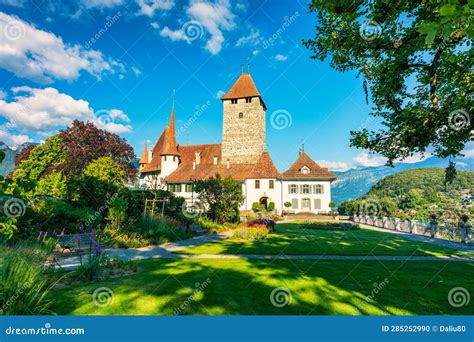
[256,232]
[271,206]
[256,206]
[270,224]
[23,284]
[211,226]
[330,226]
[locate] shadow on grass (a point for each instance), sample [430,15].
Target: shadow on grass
[244,287]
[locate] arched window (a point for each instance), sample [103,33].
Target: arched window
[241,115]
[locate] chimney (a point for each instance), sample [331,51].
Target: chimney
[214,161]
[194,165]
[228,164]
[198,158]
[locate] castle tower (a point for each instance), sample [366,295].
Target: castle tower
[243,135]
[145,158]
[169,153]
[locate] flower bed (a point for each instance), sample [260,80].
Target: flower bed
[256,232]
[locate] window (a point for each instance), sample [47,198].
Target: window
[241,115]
[248,99]
[305,170]
[318,189]
[294,203]
[271,184]
[257,184]
[292,189]
[165,158]
[305,189]
[233,101]
[317,204]
[189,187]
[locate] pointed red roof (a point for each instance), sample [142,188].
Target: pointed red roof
[315,171]
[170,146]
[264,168]
[144,159]
[243,87]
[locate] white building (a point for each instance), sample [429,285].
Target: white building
[170,166]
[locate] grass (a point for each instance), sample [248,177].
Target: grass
[244,287]
[293,239]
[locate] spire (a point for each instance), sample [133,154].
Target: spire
[170,146]
[144,159]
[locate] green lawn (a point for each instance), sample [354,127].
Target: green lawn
[292,239]
[243,287]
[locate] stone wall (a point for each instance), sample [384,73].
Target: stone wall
[243,139]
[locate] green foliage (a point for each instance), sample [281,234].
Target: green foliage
[271,206]
[91,267]
[53,184]
[422,190]
[425,43]
[42,159]
[222,197]
[8,227]
[329,226]
[117,212]
[105,169]
[256,207]
[23,284]
[287,204]
[211,226]
[332,204]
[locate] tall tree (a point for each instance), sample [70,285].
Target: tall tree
[415,57]
[84,143]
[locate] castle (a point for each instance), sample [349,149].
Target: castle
[242,156]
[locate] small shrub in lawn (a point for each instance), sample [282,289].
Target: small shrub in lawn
[330,226]
[270,224]
[211,226]
[256,232]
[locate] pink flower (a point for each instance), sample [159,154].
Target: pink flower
[39,236]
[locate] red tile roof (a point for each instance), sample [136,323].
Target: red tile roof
[264,168]
[206,169]
[316,172]
[169,144]
[243,87]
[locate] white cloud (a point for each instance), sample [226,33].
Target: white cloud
[12,140]
[415,158]
[44,111]
[220,93]
[366,160]
[241,7]
[255,52]
[174,35]
[42,56]
[101,3]
[252,39]
[468,150]
[155,25]
[215,17]
[333,165]
[149,7]
[15,3]
[281,58]
[3,94]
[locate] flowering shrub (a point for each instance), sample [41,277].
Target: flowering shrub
[270,224]
[256,232]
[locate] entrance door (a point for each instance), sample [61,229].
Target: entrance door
[306,204]
[264,202]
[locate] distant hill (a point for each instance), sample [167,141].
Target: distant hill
[425,179]
[354,183]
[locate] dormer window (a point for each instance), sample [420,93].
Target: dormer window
[241,115]
[305,170]
[233,101]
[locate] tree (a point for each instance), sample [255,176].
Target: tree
[23,154]
[415,58]
[105,169]
[85,143]
[221,197]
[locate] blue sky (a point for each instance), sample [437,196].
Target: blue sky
[117,63]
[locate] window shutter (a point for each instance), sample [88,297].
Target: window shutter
[289,188]
[322,189]
[294,203]
[301,189]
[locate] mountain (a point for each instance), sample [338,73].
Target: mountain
[8,164]
[354,183]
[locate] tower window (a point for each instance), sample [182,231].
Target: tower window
[248,99]
[271,184]
[241,115]
[233,101]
